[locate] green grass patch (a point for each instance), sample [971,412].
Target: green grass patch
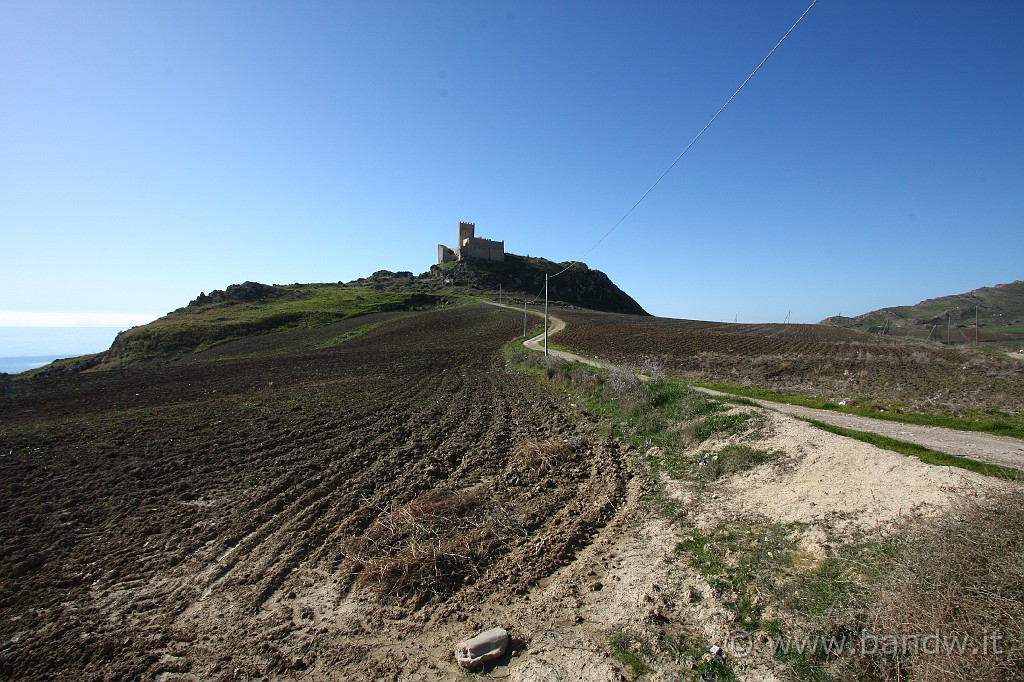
[994,422]
[822,588]
[279,308]
[740,564]
[705,667]
[922,453]
[662,413]
[732,459]
[625,650]
[719,424]
[804,602]
[522,359]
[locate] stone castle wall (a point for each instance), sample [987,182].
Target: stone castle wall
[484,249]
[471,246]
[445,255]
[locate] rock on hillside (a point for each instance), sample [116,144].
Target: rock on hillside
[579,285]
[236,293]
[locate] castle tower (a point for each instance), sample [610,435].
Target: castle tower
[466,231]
[471,246]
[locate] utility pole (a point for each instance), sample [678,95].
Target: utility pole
[524,316]
[975,324]
[545,314]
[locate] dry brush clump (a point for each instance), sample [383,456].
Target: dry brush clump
[953,607]
[431,545]
[540,456]
[631,392]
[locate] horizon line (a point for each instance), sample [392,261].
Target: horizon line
[17,318]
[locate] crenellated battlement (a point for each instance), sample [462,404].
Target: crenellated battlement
[471,246]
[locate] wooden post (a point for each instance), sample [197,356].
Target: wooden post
[545,315]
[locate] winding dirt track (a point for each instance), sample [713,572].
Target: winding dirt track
[983,447]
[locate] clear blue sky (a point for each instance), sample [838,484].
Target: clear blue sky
[153,150]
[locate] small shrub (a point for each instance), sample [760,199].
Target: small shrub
[732,459]
[713,424]
[629,390]
[653,368]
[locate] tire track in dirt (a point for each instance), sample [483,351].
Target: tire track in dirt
[275,543]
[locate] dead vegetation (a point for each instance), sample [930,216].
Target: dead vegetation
[540,456]
[432,545]
[953,606]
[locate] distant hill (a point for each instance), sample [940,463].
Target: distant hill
[579,285]
[951,319]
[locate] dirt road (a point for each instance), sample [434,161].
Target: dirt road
[984,447]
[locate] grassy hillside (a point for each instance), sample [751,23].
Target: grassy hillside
[951,319]
[252,309]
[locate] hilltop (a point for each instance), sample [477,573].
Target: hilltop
[951,319]
[254,309]
[578,285]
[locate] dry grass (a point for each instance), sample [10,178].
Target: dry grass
[630,391]
[539,456]
[960,580]
[431,545]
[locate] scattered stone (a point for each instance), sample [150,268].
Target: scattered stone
[487,646]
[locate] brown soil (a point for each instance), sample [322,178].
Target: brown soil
[243,517]
[348,503]
[815,359]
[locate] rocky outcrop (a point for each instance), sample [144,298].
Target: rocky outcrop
[236,293]
[578,286]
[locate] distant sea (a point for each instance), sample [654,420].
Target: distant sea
[25,348]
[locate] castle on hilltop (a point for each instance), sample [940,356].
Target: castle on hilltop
[471,246]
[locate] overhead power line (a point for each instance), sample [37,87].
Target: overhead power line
[692,142]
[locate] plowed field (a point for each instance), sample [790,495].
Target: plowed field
[224,517]
[817,359]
